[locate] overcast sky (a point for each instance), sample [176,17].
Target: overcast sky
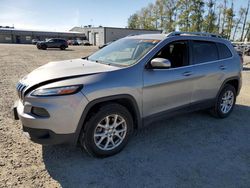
[62,15]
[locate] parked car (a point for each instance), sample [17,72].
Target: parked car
[52,43]
[86,43]
[69,42]
[75,43]
[34,41]
[98,101]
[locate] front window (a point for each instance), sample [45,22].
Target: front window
[123,52]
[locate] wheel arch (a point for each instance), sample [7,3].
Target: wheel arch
[125,100]
[234,81]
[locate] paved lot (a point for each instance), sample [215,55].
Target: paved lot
[192,150]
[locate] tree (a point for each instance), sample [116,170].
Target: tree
[159,5]
[238,21]
[220,7]
[133,21]
[196,18]
[209,22]
[245,20]
[184,8]
[224,17]
[247,35]
[170,12]
[229,21]
[147,19]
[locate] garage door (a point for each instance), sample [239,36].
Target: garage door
[96,39]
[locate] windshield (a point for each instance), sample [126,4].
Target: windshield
[123,52]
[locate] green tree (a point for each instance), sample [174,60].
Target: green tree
[245,20]
[210,19]
[229,21]
[184,10]
[159,6]
[170,14]
[224,18]
[133,21]
[237,21]
[220,7]
[196,17]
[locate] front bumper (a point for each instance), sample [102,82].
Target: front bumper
[47,137]
[61,124]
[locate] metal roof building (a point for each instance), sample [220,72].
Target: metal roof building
[101,35]
[11,35]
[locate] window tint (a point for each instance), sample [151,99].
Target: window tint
[176,52]
[224,52]
[204,52]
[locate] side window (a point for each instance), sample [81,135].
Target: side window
[204,51]
[176,52]
[224,52]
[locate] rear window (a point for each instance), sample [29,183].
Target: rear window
[224,52]
[204,51]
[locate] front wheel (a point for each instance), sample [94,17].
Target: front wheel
[107,131]
[44,47]
[225,102]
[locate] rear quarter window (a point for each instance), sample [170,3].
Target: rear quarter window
[204,51]
[224,51]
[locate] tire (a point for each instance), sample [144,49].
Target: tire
[62,47]
[89,138]
[218,110]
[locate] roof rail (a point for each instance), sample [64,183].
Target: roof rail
[178,33]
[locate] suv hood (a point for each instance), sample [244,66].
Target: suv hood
[60,70]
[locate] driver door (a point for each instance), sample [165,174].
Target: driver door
[166,89]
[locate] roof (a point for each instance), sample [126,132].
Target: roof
[79,28]
[25,30]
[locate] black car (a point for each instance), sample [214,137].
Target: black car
[52,43]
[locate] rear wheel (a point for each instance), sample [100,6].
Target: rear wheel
[62,47]
[107,131]
[225,102]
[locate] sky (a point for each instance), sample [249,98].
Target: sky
[62,15]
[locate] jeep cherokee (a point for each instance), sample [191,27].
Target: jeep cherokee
[98,101]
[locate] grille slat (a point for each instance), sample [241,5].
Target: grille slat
[20,90]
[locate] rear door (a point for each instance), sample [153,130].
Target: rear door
[209,70]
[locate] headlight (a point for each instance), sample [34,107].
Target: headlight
[56,91]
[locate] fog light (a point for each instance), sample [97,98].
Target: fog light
[41,112]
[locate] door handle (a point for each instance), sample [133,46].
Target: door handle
[187,73]
[222,67]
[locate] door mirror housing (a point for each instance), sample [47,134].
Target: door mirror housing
[160,63]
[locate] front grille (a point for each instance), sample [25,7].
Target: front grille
[20,90]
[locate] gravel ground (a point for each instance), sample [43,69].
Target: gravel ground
[192,150]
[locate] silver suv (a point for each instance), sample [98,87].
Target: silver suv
[98,101]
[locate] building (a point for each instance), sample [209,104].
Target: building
[12,35]
[101,35]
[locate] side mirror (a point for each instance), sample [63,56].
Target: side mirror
[160,63]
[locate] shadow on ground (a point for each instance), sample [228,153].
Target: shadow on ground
[192,150]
